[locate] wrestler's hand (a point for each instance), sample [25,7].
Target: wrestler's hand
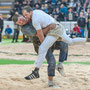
[51,26]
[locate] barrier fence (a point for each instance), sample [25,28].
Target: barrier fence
[67,25]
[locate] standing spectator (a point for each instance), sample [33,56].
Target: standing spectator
[16,33]
[88,22]
[1,27]
[8,31]
[11,14]
[81,23]
[78,8]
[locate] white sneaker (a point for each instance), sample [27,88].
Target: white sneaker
[60,69]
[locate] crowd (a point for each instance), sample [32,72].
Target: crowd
[61,10]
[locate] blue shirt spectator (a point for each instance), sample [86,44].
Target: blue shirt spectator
[8,31]
[63,10]
[53,1]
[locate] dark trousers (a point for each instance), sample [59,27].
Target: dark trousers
[88,32]
[1,29]
[15,35]
[51,63]
[63,47]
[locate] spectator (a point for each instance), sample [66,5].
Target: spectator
[43,7]
[81,23]
[88,22]
[46,8]
[53,1]
[50,9]
[1,27]
[64,2]
[16,33]
[59,15]
[8,31]
[75,16]
[49,6]
[64,11]
[37,6]
[76,31]
[70,15]
[78,8]
[11,14]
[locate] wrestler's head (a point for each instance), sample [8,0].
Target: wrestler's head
[19,19]
[27,12]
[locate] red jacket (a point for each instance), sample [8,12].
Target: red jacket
[76,29]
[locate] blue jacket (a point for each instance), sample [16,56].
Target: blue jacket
[8,30]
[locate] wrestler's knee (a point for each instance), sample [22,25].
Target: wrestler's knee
[41,50]
[52,66]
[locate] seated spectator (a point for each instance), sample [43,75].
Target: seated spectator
[8,31]
[76,31]
[53,1]
[64,11]
[78,8]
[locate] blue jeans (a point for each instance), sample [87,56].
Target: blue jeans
[51,63]
[63,47]
[82,32]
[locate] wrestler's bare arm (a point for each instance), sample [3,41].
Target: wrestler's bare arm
[50,27]
[40,35]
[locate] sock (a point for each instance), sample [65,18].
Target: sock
[50,82]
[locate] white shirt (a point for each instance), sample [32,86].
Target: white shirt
[41,19]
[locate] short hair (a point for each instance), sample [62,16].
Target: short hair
[15,18]
[75,24]
[27,8]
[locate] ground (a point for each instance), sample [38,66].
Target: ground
[12,76]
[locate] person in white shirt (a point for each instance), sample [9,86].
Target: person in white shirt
[41,20]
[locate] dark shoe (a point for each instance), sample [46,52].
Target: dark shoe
[16,41]
[22,41]
[33,75]
[88,39]
[12,41]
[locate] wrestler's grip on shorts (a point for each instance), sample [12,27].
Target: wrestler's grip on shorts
[36,44]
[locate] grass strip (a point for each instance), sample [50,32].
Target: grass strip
[23,62]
